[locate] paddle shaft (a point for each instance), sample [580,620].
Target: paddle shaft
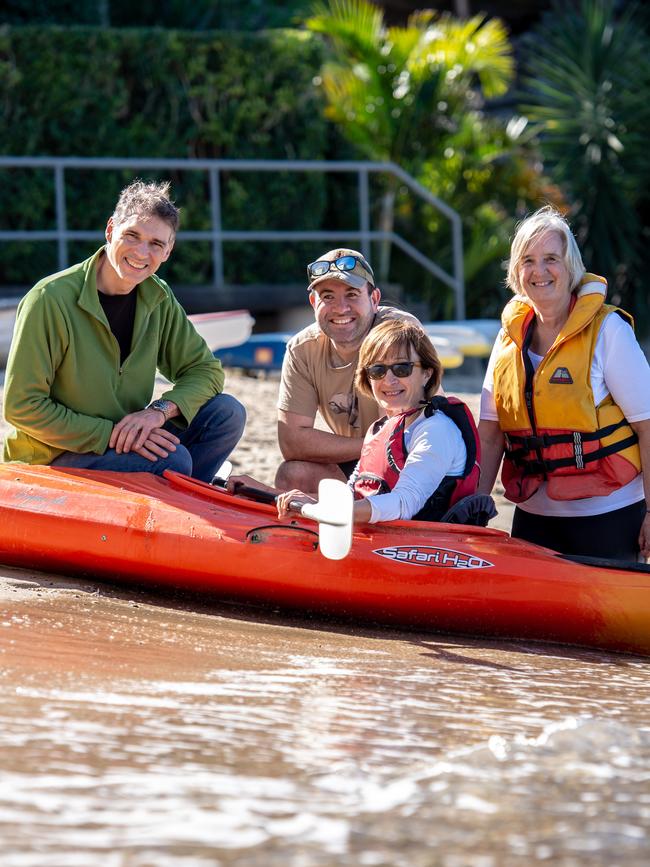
[262,496]
[255,494]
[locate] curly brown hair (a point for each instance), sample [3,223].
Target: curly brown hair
[398,336]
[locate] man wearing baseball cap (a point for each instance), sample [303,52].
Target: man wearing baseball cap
[318,373]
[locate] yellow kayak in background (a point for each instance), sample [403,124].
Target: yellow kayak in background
[472,338]
[450,355]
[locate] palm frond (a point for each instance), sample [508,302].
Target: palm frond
[474,47]
[355,27]
[586,82]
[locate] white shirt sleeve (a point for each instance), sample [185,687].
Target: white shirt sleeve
[488,410]
[435,449]
[621,369]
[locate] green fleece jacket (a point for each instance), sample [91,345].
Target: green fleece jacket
[64,385]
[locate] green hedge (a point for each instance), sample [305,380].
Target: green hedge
[164,93]
[52,11]
[181,14]
[88,91]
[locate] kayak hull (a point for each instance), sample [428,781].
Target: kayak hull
[180,533]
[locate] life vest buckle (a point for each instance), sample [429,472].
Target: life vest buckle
[533,443]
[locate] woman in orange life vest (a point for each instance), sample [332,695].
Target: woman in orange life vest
[566,403]
[416,460]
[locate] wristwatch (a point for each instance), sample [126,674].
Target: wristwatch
[166,407]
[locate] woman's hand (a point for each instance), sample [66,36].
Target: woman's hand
[294,497]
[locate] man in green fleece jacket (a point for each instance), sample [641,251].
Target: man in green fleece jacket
[86,347]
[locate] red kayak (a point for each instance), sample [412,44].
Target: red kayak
[178,532]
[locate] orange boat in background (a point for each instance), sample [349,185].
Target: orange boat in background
[177,532]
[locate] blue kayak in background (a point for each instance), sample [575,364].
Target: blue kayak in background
[259,352]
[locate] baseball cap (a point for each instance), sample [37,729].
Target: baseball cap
[348,266]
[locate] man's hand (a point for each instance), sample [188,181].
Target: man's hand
[142,432]
[238,481]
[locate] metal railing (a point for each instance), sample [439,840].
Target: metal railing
[218,236]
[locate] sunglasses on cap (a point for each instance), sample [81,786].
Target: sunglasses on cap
[343,263]
[401,369]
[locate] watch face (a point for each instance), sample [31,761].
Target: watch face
[161,405]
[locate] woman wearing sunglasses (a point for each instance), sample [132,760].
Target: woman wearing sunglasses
[422,455]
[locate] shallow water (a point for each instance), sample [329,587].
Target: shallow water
[140,731]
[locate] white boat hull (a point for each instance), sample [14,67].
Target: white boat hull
[223,329]
[219,330]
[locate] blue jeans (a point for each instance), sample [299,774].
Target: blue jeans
[213,434]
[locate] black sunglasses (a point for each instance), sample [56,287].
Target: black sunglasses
[401,369]
[343,263]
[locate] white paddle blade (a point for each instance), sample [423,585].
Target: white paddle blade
[333,511]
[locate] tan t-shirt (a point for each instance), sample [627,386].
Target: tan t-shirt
[313,380]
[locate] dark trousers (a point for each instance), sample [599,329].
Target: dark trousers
[614,535]
[204,445]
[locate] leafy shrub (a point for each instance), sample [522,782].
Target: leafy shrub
[197,15]
[142,93]
[587,75]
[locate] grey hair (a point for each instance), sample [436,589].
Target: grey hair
[546,219]
[147,199]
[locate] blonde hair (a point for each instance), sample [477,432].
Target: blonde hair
[398,335]
[546,219]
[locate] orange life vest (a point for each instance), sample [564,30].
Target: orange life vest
[553,430]
[383,456]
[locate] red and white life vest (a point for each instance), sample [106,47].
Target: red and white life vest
[384,454]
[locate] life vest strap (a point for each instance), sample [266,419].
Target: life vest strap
[579,459]
[540,441]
